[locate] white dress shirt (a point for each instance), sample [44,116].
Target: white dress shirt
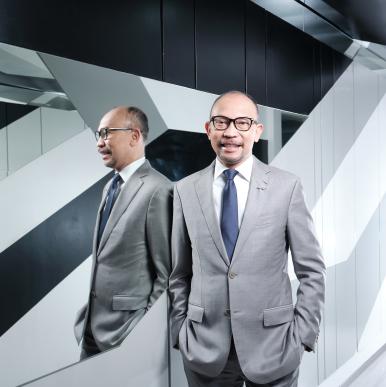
[242,180]
[129,170]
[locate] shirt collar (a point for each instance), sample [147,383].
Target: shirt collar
[128,171]
[244,169]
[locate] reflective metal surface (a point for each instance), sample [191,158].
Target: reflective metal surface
[25,79]
[326,25]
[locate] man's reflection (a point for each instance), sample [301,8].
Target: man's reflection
[131,252]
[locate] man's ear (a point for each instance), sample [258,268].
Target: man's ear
[259,131]
[207,128]
[136,135]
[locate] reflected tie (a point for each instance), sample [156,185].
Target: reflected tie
[111,197]
[229,213]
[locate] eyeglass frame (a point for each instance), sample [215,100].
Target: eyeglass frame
[233,120]
[106,131]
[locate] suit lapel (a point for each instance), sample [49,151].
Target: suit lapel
[96,229]
[98,219]
[204,192]
[125,197]
[256,201]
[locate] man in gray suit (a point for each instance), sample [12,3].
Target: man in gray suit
[232,316]
[131,248]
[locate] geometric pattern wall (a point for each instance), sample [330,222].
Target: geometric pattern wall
[47,215]
[41,129]
[343,169]
[189,43]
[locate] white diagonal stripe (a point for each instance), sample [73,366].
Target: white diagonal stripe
[35,192]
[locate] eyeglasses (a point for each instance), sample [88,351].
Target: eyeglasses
[242,124]
[104,132]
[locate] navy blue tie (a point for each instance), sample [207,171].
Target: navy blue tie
[229,214]
[111,197]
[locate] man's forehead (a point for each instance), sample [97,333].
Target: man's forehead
[115,117]
[235,102]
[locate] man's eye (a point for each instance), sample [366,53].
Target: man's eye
[242,122]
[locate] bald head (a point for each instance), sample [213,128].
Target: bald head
[126,130]
[231,145]
[236,93]
[131,116]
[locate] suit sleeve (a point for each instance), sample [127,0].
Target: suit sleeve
[309,268]
[158,229]
[180,278]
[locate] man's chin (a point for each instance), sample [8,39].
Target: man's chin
[108,164]
[230,161]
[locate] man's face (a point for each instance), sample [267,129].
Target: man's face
[115,150]
[233,147]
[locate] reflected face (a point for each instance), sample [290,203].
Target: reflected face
[116,150]
[232,146]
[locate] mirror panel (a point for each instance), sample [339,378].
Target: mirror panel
[53,102]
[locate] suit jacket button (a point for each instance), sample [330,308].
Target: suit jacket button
[93,294]
[232,275]
[227,313]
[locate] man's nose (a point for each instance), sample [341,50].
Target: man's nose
[231,130]
[100,142]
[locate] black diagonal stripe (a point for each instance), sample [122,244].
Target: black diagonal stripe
[3,120]
[11,112]
[37,262]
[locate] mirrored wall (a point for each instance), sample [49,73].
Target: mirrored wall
[52,179]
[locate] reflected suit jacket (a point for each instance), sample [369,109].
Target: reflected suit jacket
[249,298]
[131,265]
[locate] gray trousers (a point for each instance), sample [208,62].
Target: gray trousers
[88,347]
[232,376]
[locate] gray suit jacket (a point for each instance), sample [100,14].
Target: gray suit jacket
[132,263]
[249,298]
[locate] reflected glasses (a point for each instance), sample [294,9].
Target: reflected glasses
[242,124]
[104,132]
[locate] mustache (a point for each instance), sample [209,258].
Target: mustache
[104,152]
[230,142]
